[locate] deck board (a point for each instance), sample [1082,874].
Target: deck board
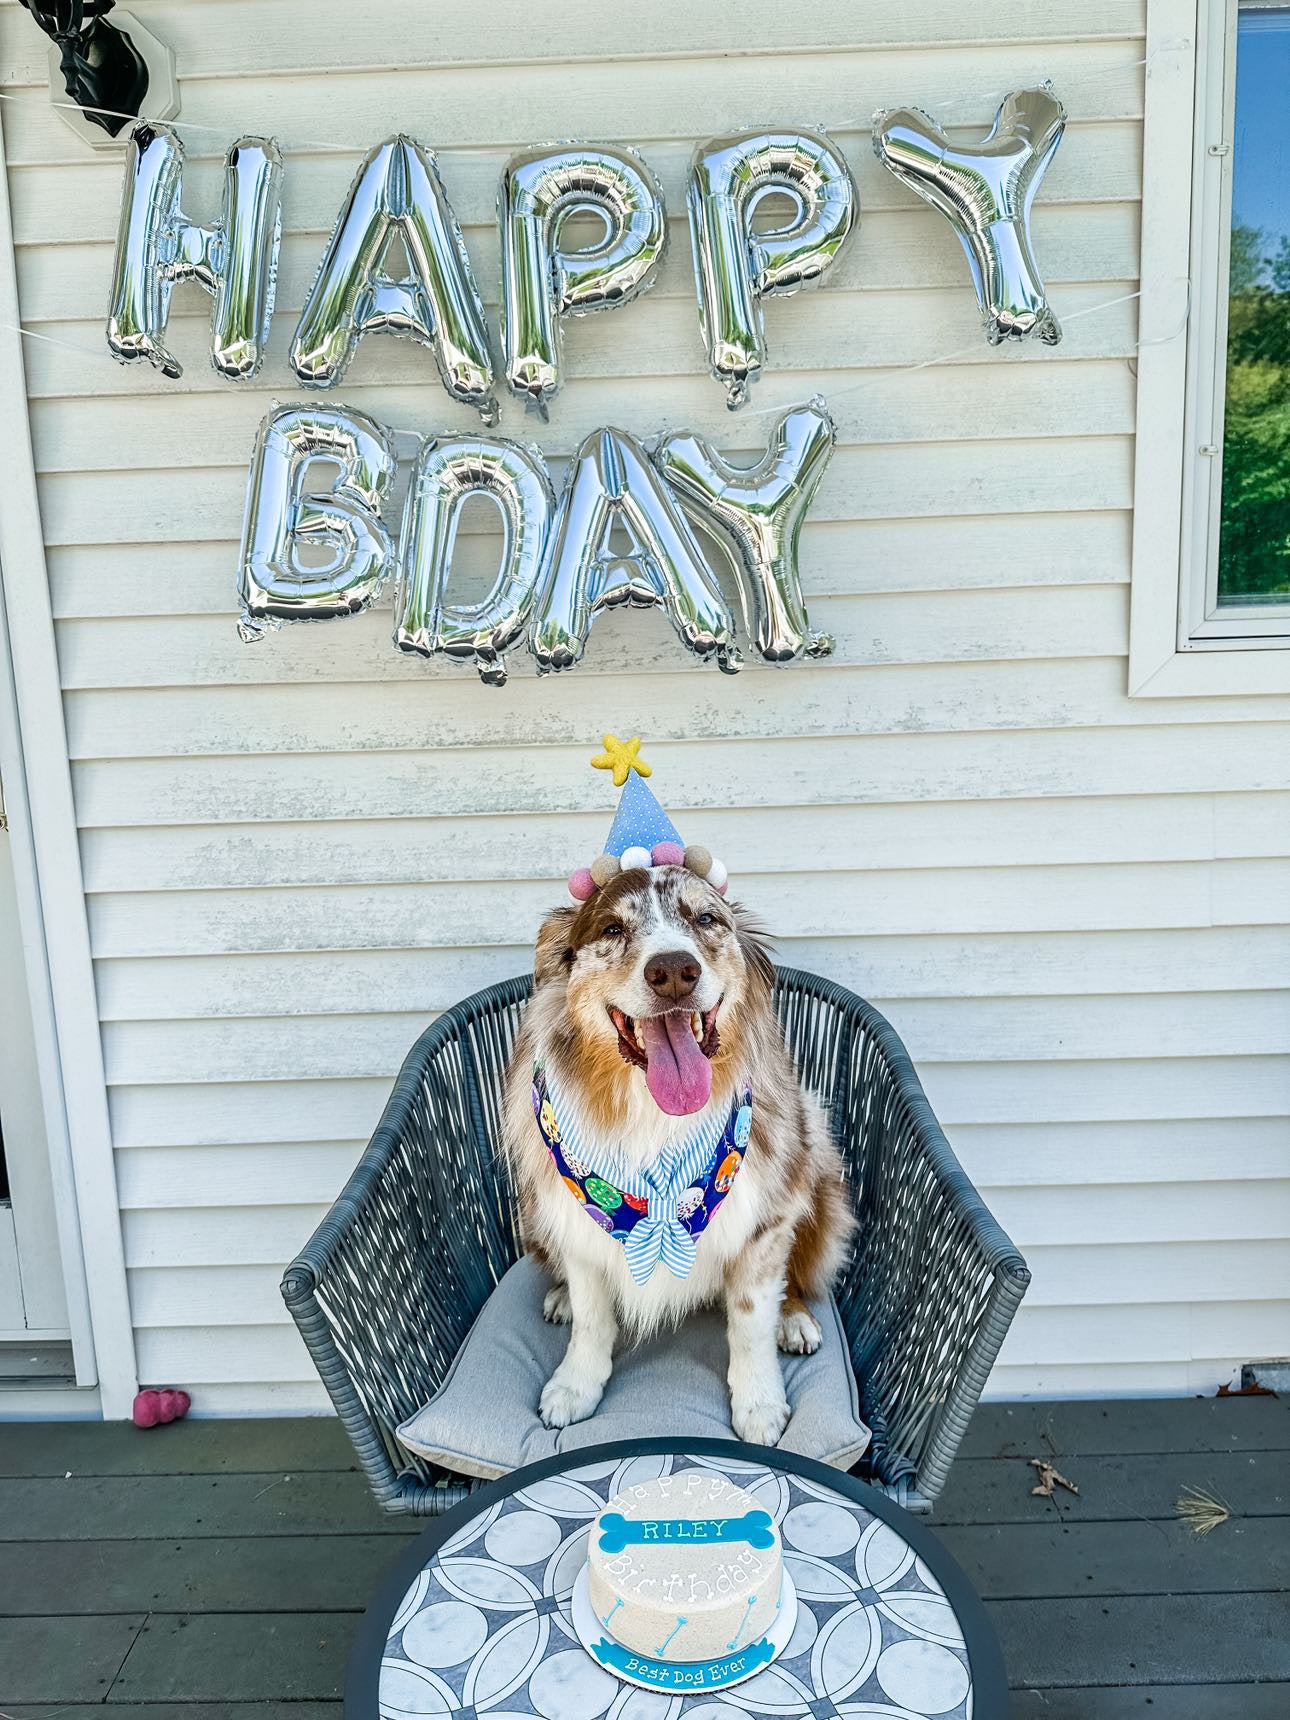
[1035,1561]
[217,1570]
[1102,1429]
[31,1449]
[226,1574]
[64,1659]
[128,1507]
[1145,1639]
[1116,1489]
[118,1710]
[244,1657]
[1163,1702]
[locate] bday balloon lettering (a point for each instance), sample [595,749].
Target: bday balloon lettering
[315,546]
[449,471]
[310,555]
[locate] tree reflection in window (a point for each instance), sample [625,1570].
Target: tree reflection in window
[1254,536]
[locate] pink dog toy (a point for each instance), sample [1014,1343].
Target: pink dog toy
[152,1407]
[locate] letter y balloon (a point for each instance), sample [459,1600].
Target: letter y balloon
[986,190]
[760,510]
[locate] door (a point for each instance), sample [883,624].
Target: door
[34,1338]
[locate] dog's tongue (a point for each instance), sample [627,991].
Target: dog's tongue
[679,1075]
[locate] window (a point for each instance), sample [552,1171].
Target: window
[1236,589]
[1210,607]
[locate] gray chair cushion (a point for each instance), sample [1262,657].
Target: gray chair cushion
[483,1420]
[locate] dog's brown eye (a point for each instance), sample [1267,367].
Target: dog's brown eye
[612,930]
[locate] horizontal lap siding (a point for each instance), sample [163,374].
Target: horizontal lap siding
[1071,905]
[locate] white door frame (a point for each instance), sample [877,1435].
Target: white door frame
[33,1301]
[51,900]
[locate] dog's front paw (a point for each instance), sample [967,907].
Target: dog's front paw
[564,1400]
[760,1423]
[556,1308]
[799,1332]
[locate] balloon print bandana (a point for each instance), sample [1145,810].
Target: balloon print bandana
[658,1212]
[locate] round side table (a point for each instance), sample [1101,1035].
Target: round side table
[474,1618]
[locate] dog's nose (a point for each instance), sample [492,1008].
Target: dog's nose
[673,974]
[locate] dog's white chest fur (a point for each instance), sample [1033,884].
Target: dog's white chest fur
[664,1299]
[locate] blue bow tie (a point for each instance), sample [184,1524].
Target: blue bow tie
[660,1235]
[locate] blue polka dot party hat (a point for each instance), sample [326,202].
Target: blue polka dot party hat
[642,835]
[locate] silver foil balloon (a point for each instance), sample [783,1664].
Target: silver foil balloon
[542,281]
[734,266]
[397,193]
[611,485]
[985,190]
[760,509]
[157,246]
[313,555]
[449,471]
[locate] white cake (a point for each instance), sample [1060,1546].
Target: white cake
[686,1567]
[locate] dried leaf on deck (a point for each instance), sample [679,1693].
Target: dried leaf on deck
[1049,1478]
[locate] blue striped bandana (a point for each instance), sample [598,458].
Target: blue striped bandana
[657,1211]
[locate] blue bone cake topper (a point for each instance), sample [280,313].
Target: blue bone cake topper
[617,1531]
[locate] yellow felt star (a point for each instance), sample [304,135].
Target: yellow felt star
[622,757]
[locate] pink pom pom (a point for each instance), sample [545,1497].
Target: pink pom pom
[582,886]
[668,854]
[147,1409]
[722,888]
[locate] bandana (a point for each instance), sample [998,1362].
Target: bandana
[657,1211]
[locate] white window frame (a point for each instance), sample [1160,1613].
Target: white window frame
[1180,642]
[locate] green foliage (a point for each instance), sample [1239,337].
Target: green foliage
[1254,542]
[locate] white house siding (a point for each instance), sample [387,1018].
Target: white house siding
[1071,904]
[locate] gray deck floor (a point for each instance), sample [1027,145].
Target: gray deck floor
[216,1570]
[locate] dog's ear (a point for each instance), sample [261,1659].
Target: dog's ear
[554,951]
[754,942]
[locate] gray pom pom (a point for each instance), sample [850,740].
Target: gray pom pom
[603,868]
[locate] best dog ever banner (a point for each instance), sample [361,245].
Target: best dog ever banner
[316,545]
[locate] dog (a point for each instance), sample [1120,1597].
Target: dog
[652,1018]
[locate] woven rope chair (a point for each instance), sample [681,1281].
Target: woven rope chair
[390,1283]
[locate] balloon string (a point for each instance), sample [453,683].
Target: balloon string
[883,375]
[967,351]
[174,124]
[857,122]
[1172,45]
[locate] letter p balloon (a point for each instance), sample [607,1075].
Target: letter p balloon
[736,267]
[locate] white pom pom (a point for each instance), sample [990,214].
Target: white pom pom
[717,874]
[636,858]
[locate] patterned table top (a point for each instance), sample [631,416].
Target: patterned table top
[483,1629]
